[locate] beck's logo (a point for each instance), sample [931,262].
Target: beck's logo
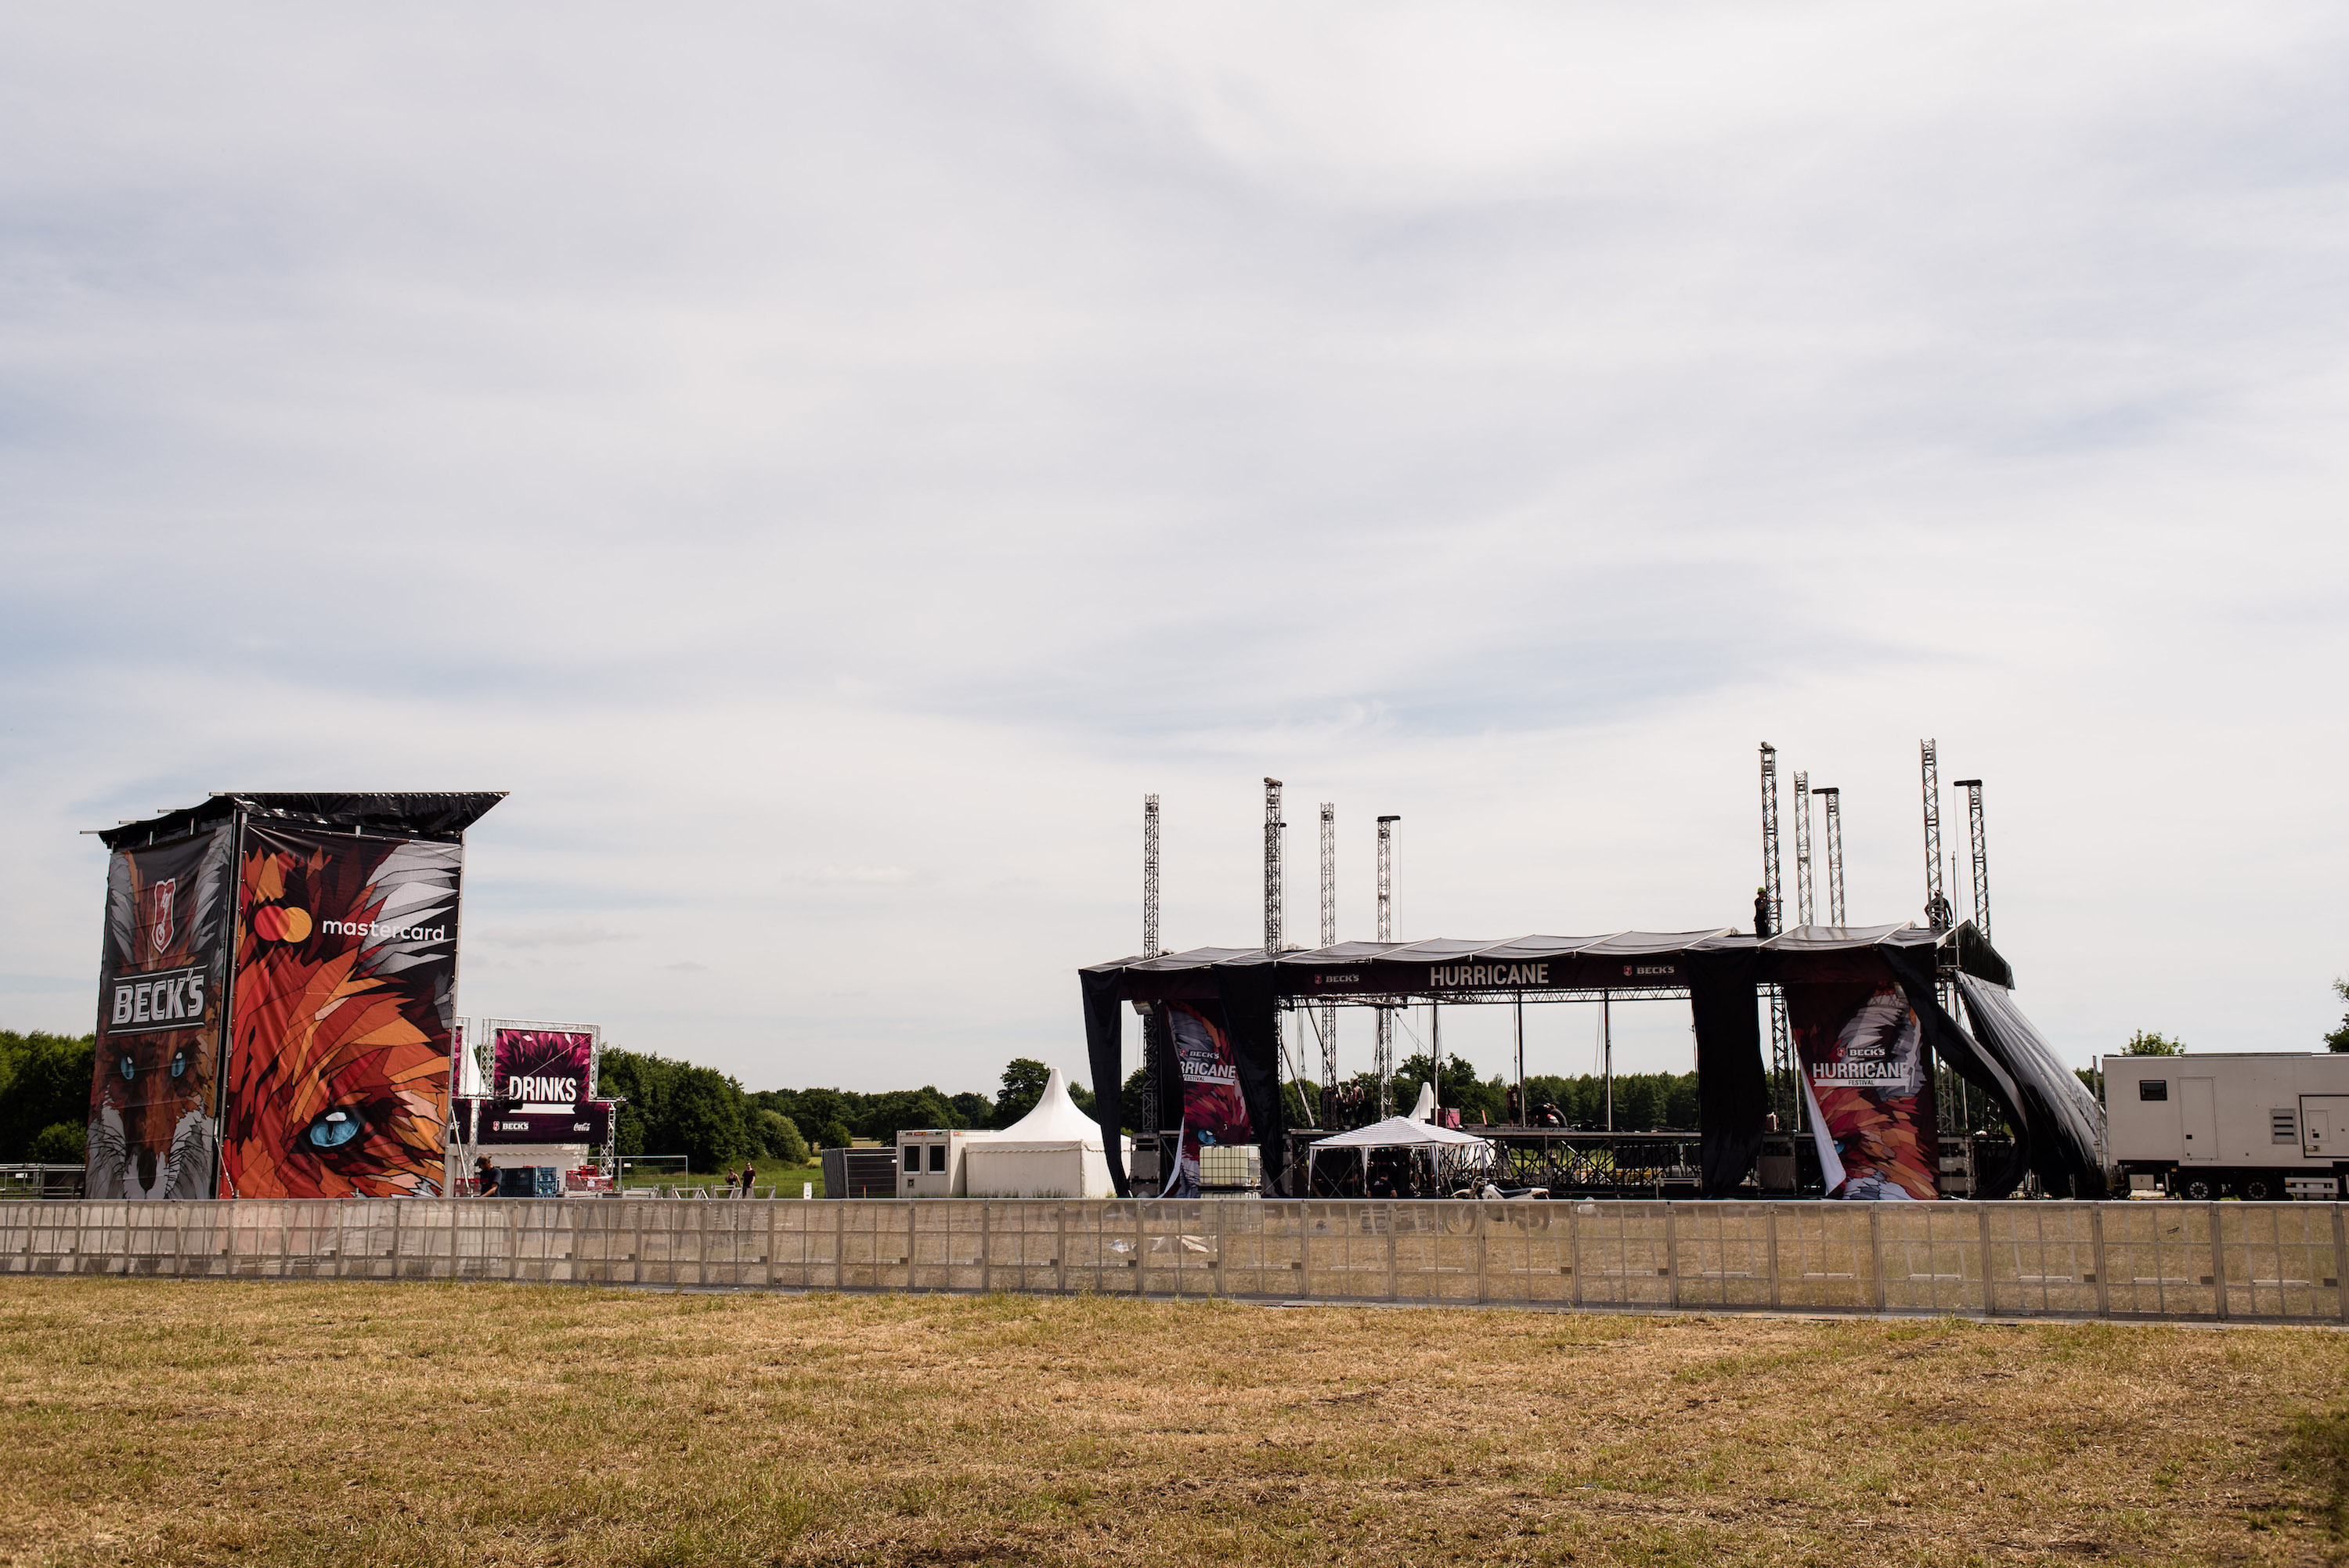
[167,999]
[158,930]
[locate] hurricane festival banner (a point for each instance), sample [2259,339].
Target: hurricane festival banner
[1864,1066]
[540,1083]
[1213,1110]
[343,1004]
[154,1097]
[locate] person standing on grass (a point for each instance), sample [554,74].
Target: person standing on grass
[748,1176]
[733,1181]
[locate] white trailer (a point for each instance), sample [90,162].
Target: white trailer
[930,1162]
[2257,1126]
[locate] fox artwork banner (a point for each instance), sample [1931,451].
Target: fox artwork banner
[1870,1083]
[1214,1111]
[343,1004]
[154,1096]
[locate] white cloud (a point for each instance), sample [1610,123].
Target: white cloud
[828,463]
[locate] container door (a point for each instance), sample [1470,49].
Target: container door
[2324,1126]
[2198,1109]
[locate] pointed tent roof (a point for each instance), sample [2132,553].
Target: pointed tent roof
[1055,1123]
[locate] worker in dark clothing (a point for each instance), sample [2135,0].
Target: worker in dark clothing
[1761,913]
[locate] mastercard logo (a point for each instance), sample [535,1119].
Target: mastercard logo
[273,922]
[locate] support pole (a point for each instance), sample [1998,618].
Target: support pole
[1607,1050]
[1384,1064]
[1937,906]
[1769,919]
[1833,799]
[1523,1118]
[1272,868]
[1329,939]
[1980,844]
[1804,897]
[1156,1038]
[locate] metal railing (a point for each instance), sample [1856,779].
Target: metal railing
[2255,1262]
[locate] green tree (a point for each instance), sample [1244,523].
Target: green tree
[703,1120]
[976,1109]
[2338,1040]
[62,1144]
[1638,1105]
[45,1079]
[781,1137]
[1023,1085]
[675,1108]
[887,1115]
[815,1110]
[834,1134]
[2142,1044]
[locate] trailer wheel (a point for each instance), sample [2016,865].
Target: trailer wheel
[2198,1189]
[2257,1189]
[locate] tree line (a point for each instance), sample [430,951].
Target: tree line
[675,1108]
[1644,1102]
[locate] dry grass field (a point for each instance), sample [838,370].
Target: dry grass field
[156,1422]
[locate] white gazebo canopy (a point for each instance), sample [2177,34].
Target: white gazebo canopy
[1399,1132]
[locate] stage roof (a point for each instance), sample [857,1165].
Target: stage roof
[1622,961]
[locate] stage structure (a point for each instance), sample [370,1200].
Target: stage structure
[277,997]
[1863,1011]
[525,1095]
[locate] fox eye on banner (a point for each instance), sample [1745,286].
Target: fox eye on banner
[1865,1068]
[344,1002]
[152,1098]
[1213,1111]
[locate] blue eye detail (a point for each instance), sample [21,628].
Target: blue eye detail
[129,1070]
[179,1062]
[333,1130]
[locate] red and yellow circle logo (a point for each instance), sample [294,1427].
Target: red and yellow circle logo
[272,922]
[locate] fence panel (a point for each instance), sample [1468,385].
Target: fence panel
[1826,1257]
[2270,1262]
[1721,1253]
[1528,1254]
[1928,1257]
[1625,1259]
[2279,1261]
[2158,1259]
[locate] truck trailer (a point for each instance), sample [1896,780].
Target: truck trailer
[2258,1126]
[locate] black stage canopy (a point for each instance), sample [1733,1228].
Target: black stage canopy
[406,814]
[1719,970]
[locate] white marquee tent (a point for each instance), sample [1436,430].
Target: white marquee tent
[1053,1151]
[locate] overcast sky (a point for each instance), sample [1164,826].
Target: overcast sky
[829,462]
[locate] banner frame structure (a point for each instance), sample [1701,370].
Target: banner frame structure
[1719,971]
[343,974]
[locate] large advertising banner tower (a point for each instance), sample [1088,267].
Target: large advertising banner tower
[334,919]
[162,978]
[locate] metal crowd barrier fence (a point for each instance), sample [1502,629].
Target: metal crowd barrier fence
[2252,1262]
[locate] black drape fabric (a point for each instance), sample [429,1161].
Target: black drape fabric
[1732,1090]
[2062,1111]
[1950,1042]
[1103,1049]
[1247,994]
